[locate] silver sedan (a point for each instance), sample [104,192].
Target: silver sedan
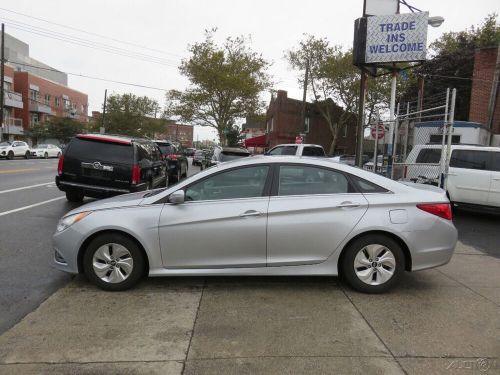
[262,216]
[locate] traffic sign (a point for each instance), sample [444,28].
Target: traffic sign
[381,131]
[299,140]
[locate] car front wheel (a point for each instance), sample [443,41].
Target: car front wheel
[372,264]
[74,196]
[113,262]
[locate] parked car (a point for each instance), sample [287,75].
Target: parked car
[381,165]
[297,149]
[46,151]
[99,166]
[262,216]
[9,149]
[190,151]
[198,157]
[473,176]
[222,154]
[206,161]
[177,163]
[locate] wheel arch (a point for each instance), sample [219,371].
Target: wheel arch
[86,242]
[399,240]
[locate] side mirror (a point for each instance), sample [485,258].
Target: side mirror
[177,197]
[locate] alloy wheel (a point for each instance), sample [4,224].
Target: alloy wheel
[374,264]
[112,263]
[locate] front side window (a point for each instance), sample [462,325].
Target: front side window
[469,159]
[233,184]
[313,151]
[284,150]
[305,180]
[496,161]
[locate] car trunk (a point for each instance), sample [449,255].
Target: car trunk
[94,162]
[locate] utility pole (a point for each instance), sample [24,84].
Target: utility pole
[392,106]
[103,128]
[420,98]
[304,97]
[2,78]
[450,135]
[361,120]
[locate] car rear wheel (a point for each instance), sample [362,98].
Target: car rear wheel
[372,264]
[10,155]
[113,262]
[74,196]
[27,155]
[46,155]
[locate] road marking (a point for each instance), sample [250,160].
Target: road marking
[26,187]
[30,206]
[18,170]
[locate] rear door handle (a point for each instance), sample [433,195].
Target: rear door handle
[348,204]
[251,213]
[496,178]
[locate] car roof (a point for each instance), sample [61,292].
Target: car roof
[460,147]
[113,138]
[235,149]
[298,144]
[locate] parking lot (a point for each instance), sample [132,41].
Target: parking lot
[444,320]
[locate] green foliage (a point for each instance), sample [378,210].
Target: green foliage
[233,136]
[453,56]
[131,115]
[225,84]
[59,128]
[333,79]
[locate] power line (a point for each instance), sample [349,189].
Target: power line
[89,32]
[91,77]
[92,45]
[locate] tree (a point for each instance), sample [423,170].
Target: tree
[332,78]
[452,63]
[233,136]
[131,115]
[225,84]
[60,128]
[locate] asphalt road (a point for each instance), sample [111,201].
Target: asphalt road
[31,205]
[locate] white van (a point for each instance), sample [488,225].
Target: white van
[473,176]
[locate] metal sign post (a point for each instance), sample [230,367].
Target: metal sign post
[450,134]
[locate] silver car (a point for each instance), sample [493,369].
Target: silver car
[262,216]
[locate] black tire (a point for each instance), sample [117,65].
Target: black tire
[139,262]
[74,196]
[10,155]
[186,171]
[46,155]
[347,271]
[58,155]
[27,155]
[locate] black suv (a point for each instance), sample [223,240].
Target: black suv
[177,162]
[98,166]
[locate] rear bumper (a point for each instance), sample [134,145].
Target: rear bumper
[97,191]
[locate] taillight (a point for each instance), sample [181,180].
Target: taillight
[172,157]
[136,174]
[442,210]
[60,165]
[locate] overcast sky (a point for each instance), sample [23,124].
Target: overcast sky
[166,28]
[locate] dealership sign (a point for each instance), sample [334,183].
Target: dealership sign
[396,37]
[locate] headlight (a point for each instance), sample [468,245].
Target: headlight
[68,221]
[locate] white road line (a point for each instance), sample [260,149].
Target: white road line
[30,206]
[26,187]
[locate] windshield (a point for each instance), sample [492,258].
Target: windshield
[5,144]
[283,150]
[84,149]
[166,148]
[227,155]
[42,146]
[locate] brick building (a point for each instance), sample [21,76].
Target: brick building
[284,123]
[35,92]
[177,132]
[484,70]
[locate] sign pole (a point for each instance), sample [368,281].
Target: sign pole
[450,134]
[361,120]
[375,150]
[392,106]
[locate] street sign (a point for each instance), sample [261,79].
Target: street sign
[396,37]
[381,131]
[298,140]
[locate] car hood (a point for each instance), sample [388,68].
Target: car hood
[120,201]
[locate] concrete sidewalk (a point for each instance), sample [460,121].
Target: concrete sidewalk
[445,320]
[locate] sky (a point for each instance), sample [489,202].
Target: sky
[158,33]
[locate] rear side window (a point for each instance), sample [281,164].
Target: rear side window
[313,151]
[429,155]
[496,161]
[365,186]
[284,150]
[469,159]
[304,180]
[229,155]
[86,149]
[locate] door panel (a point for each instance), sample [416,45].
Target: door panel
[494,196]
[213,234]
[307,229]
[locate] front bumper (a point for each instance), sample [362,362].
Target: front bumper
[66,245]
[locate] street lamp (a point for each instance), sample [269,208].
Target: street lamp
[435,21]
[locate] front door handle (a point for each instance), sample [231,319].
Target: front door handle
[496,178]
[348,204]
[452,174]
[251,213]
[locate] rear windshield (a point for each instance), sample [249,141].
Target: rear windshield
[87,149]
[229,155]
[283,150]
[166,148]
